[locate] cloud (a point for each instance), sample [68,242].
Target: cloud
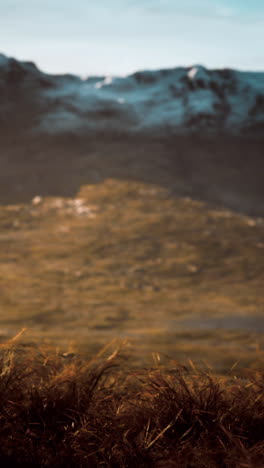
[198,7]
[205,9]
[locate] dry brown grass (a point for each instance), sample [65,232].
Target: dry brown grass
[62,411]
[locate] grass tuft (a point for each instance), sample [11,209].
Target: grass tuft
[58,410]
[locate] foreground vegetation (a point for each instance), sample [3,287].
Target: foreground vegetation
[58,410]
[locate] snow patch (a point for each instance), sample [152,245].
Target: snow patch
[192,73]
[106,82]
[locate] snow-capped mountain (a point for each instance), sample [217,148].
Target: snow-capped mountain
[167,101]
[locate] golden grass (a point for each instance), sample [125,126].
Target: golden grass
[58,410]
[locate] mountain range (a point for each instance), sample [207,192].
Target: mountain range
[167,102]
[196,131]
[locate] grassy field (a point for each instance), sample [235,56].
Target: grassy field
[130,260]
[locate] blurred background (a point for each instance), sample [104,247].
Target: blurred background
[131,177]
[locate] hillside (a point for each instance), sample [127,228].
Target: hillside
[129,260]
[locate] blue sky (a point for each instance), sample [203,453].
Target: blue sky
[122,36]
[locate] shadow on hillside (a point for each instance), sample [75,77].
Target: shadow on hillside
[223,170]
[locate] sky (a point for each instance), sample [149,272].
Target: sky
[118,37]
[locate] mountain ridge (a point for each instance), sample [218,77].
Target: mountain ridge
[164,102]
